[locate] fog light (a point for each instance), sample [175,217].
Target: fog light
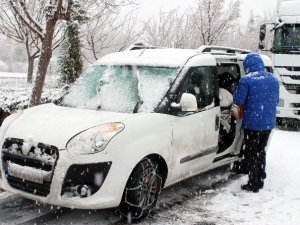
[83,190]
[84,180]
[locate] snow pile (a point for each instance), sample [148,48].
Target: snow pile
[279,202]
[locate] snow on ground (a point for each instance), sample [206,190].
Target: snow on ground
[277,204]
[15,90]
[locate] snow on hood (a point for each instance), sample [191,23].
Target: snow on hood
[55,125]
[253,62]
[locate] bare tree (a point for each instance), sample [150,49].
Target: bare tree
[214,18]
[55,11]
[105,32]
[168,30]
[247,36]
[11,26]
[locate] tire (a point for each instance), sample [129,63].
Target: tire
[288,124]
[142,190]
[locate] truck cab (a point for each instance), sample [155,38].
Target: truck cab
[286,59]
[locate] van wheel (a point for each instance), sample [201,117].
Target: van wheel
[142,191]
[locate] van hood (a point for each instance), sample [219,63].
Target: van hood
[55,125]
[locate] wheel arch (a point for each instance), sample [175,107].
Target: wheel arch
[162,166]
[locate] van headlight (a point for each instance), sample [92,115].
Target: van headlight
[94,139]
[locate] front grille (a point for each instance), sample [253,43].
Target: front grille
[295,105]
[292,88]
[28,165]
[295,77]
[291,68]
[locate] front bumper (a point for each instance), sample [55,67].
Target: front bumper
[289,106]
[107,196]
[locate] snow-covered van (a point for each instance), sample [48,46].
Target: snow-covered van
[134,123]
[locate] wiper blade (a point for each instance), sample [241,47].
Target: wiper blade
[98,89]
[278,25]
[139,86]
[140,95]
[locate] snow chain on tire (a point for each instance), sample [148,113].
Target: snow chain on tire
[142,190]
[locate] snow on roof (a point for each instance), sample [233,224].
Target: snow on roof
[156,57]
[289,8]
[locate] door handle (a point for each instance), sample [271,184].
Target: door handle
[217,125]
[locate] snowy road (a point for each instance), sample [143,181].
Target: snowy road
[211,199]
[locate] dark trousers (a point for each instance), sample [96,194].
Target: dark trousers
[254,156]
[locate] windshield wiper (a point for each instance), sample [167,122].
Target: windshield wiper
[277,25]
[286,49]
[98,89]
[140,96]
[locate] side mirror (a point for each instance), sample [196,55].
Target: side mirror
[262,32]
[261,46]
[188,103]
[262,36]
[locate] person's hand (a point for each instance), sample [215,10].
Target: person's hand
[235,114]
[235,111]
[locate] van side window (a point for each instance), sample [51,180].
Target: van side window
[228,76]
[199,82]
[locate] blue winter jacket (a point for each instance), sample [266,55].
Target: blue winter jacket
[258,92]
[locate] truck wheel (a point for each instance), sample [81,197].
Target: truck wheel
[142,191]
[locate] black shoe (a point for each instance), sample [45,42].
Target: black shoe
[261,186]
[247,187]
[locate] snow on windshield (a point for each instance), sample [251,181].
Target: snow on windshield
[287,37]
[121,88]
[83,93]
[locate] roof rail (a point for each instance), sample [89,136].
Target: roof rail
[140,45]
[222,49]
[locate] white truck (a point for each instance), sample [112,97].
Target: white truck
[286,60]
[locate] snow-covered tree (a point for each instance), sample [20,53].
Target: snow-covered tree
[107,32]
[169,29]
[247,36]
[214,18]
[70,57]
[55,11]
[70,61]
[12,27]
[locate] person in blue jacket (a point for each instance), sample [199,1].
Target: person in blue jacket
[258,95]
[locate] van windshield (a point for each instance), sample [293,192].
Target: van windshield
[121,88]
[287,39]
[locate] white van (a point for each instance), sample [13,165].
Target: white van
[134,123]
